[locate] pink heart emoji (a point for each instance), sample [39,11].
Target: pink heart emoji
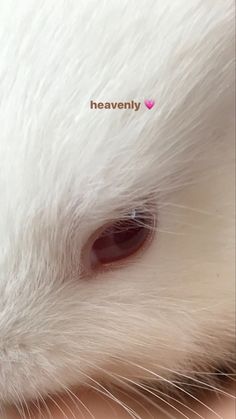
[149,103]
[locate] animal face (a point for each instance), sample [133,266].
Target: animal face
[116,227]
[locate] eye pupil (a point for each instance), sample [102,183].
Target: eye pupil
[120,240]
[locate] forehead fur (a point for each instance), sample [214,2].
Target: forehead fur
[58,56]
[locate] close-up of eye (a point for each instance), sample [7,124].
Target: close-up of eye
[122,239]
[117,209]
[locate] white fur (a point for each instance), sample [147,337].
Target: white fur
[66,170]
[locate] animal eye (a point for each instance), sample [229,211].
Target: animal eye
[121,239]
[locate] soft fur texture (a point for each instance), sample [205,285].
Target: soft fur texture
[66,170]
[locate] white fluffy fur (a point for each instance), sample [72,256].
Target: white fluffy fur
[66,170]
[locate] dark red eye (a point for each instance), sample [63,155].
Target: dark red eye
[122,239]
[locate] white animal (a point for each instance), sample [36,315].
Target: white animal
[116,227]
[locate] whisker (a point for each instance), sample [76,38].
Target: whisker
[41,398]
[106,392]
[19,406]
[136,401]
[143,387]
[26,406]
[193,209]
[57,405]
[176,386]
[122,379]
[199,382]
[66,404]
[73,396]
